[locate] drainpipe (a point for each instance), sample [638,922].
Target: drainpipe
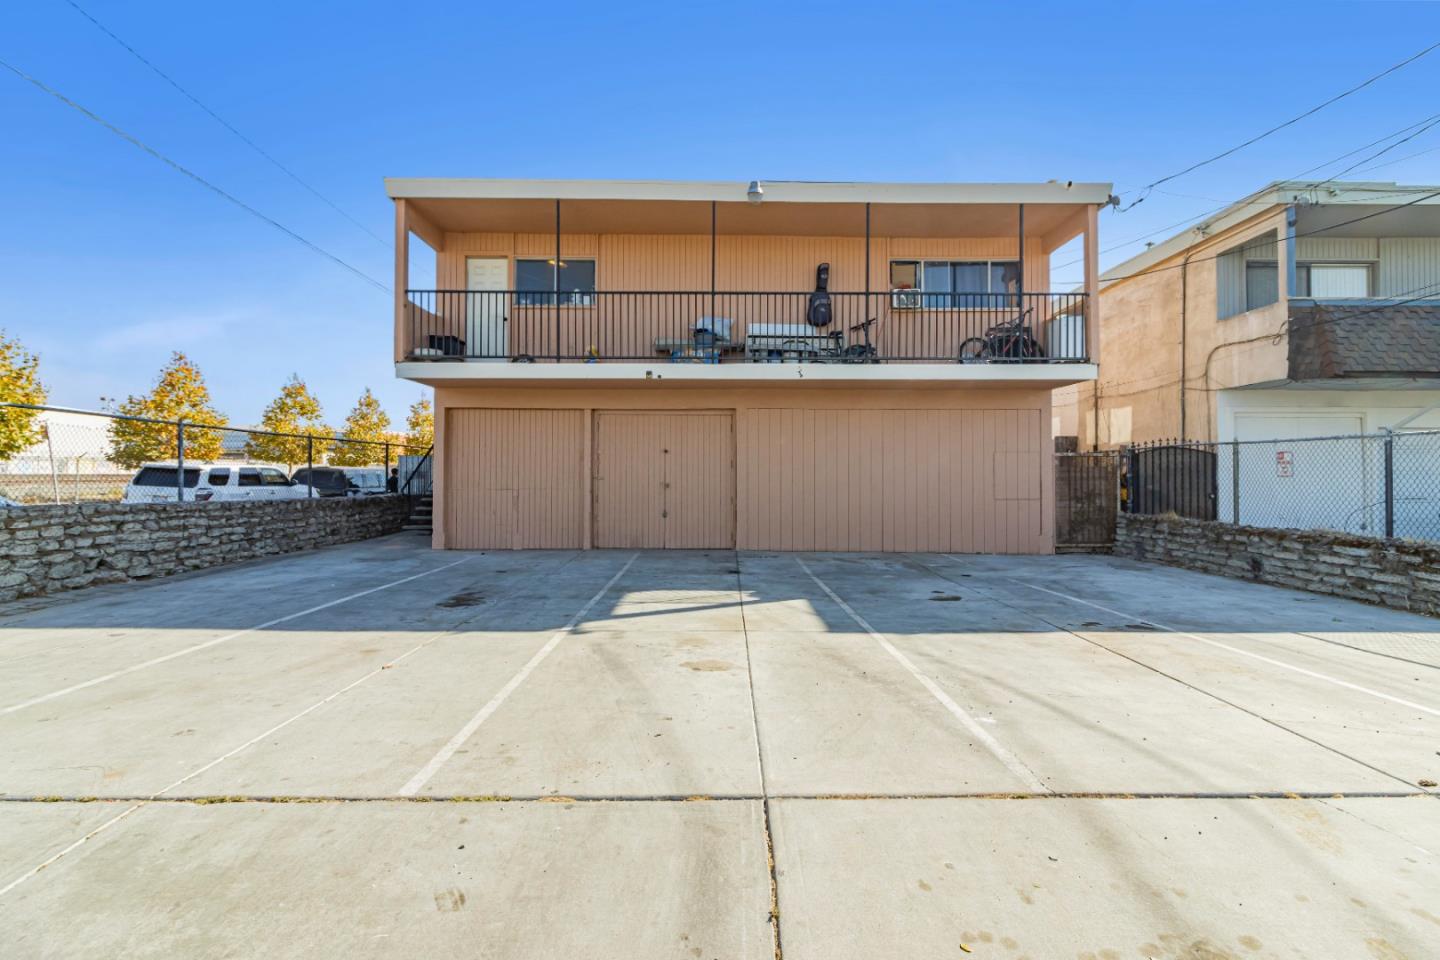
[1184,303]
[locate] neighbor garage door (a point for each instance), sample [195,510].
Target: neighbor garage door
[967,481]
[514,479]
[664,479]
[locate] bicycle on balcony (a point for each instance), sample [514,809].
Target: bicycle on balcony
[1008,341]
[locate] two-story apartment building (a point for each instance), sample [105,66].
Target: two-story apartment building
[763,365]
[1302,310]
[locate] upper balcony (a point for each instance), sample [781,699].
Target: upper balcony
[733,282]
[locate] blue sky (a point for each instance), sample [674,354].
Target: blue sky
[109,259]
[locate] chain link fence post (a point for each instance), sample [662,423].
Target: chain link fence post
[1235,482]
[1389,485]
[309,467]
[180,460]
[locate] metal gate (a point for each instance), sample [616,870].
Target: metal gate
[1087,492]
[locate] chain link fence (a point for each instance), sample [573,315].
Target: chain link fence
[1377,485]
[61,455]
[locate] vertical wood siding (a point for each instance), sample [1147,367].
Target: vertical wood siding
[1409,266]
[965,481]
[664,480]
[514,479]
[682,263]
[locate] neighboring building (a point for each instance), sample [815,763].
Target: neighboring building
[1300,311]
[645,364]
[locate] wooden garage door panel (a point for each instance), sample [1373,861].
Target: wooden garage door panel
[892,480]
[514,479]
[664,480]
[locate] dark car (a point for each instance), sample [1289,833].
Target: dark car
[327,481]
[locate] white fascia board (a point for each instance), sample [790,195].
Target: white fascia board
[775,191]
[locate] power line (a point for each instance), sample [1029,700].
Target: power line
[1278,127]
[1424,126]
[1428,125]
[192,175]
[1295,236]
[220,120]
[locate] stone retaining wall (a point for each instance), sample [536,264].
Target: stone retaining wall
[48,548]
[1395,573]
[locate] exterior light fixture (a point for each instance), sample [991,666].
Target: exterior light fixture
[756,193]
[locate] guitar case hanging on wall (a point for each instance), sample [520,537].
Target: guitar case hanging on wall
[820,311]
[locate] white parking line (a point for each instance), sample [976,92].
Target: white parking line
[417,782]
[1011,762]
[221,759]
[195,648]
[1244,653]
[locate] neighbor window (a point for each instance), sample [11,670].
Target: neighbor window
[956,283]
[1338,280]
[1262,283]
[535,282]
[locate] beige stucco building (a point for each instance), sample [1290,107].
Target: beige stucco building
[655,364]
[1302,310]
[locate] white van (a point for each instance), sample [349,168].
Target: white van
[155,483]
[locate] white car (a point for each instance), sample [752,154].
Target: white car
[155,483]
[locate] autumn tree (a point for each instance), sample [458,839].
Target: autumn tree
[294,411]
[179,393]
[367,427]
[420,426]
[19,383]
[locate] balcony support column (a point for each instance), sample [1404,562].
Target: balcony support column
[1020,280]
[1092,310]
[713,209]
[402,275]
[556,276]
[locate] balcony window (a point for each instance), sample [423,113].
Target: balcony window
[955,284]
[535,282]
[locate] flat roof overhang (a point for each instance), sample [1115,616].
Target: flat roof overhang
[786,208]
[663,374]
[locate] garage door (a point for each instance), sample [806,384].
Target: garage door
[965,481]
[514,479]
[665,480]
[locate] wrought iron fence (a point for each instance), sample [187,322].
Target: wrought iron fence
[723,327]
[1086,499]
[1381,485]
[63,455]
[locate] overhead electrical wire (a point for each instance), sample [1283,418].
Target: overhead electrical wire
[1145,190]
[227,125]
[179,168]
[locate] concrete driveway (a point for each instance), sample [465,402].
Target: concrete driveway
[380,751]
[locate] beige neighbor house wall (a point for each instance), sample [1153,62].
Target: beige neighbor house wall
[1164,312]
[964,469]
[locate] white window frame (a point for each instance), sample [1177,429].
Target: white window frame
[914,298]
[1309,267]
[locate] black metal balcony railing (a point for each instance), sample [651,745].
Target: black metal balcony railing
[705,327]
